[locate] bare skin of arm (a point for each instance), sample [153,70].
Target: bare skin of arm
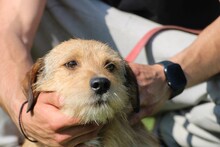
[199,61]
[19,22]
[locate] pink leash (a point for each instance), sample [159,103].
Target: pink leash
[145,39]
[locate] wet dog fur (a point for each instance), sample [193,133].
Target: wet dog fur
[96,85]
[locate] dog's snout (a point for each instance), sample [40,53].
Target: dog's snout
[100,85]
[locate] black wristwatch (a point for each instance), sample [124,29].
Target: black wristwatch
[175,77]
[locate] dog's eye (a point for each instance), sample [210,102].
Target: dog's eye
[71,64]
[110,67]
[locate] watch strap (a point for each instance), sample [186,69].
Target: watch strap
[175,91]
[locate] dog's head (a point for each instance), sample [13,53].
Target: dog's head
[93,80]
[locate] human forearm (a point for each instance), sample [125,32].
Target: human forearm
[200,60]
[19,23]
[14,66]
[21,17]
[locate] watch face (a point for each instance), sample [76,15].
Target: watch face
[175,76]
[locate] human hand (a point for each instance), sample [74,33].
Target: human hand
[153,89]
[50,126]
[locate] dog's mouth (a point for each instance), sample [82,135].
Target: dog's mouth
[100,102]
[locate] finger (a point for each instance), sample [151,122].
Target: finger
[76,132]
[81,145]
[51,98]
[53,117]
[79,130]
[59,121]
[84,138]
[135,118]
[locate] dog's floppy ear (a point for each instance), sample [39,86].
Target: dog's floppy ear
[132,85]
[29,80]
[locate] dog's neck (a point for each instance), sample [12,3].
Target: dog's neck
[118,132]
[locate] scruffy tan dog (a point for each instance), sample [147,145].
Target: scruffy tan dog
[97,86]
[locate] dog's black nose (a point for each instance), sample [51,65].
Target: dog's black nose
[100,85]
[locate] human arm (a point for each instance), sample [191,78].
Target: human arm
[198,61]
[19,22]
[16,36]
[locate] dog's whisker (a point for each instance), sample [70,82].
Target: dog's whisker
[115,94]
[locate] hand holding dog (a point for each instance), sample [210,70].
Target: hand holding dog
[153,89]
[50,126]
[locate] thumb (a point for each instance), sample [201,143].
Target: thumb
[50,98]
